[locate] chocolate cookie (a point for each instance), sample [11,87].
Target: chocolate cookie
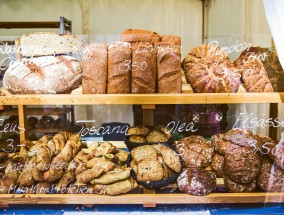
[234,187]
[271,177]
[195,151]
[197,182]
[217,164]
[242,166]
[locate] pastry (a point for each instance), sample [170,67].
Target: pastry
[119,68]
[48,43]
[138,130]
[137,139]
[195,151]
[156,136]
[43,75]
[137,35]
[208,70]
[149,170]
[145,71]
[169,157]
[197,182]
[94,75]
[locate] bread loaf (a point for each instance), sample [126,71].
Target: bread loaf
[144,73]
[119,67]
[94,77]
[136,35]
[43,75]
[47,43]
[169,65]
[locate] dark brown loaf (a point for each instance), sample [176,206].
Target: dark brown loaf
[169,65]
[136,35]
[43,75]
[119,67]
[94,77]
[143,77]
[242,166]
[217,164]
[198,182]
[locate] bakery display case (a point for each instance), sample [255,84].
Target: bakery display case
[153,119]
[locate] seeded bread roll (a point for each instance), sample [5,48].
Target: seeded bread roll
[217,164]
[143,68]
[195,151]
[119,67]
[197,182]
[137,139]
[169,65]
[149,170]
[136,35]
[48,43]
[144,152]
[43,75]
[156,136]
[94,77]
[138,130]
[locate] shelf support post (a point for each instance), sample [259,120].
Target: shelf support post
[22,121]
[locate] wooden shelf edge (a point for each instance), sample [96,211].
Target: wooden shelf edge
[141,198]
[181,98]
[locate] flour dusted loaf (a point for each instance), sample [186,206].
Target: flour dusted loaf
[234,187]
[43,75]
[137,35]
[94,76]
[144,75]
[197,182]
[169,65]
[47,43]
[119,67]
[208,69]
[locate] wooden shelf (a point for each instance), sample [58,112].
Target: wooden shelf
[141,198]
[181,98]
[36,111]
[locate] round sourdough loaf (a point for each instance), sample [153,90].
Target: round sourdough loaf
[43,75]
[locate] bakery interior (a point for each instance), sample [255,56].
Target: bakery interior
[191,122]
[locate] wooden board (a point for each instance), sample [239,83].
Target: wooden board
[146,199]
[181,98]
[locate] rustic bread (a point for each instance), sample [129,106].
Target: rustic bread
[234,187]
[169,65]
[137,139]
[217,164]
[197,182]
[143,152]
[47,43]
[156,136]
[119,67]
[43,75]
[149,170]
[169,157]
[144,73]
[136,35]
[166,132]
[94,76]
[208,69]
[139,130]
[195,151]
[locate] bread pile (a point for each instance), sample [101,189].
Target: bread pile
[196,154]
[142,62]
[142,134]
[153,163]
[209,70]
[45,67]
[62,164]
